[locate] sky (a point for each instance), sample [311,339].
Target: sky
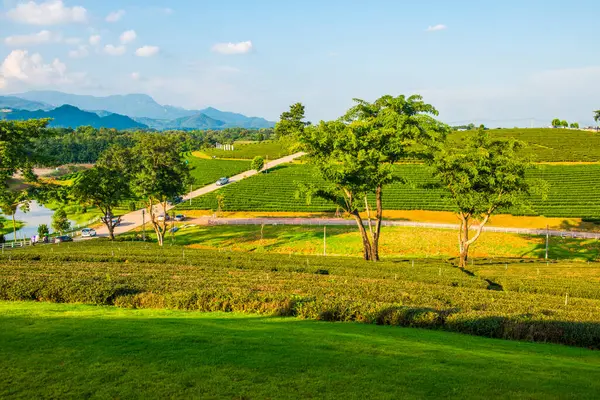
[502,63]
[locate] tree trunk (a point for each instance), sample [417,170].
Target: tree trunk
[14,228]
[463,241]
[365,236]
[378,218]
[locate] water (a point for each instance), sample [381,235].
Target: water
[37,215]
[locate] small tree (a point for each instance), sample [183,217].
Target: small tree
[564,124]
[482,178]
[10,202]
[105,189]
[575,125]
[220,203]
[160,175]
[60,222]
[597,116]
[556,122]
[257,163]
[43,230]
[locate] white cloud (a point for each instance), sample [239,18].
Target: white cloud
[30,69]
[233,48]
[128,36]
[32,39]
[114,50]
[135,76]
[147,51]
[115,16]
[73,40]
[435,28]
[2,82]
[95,39]
[51,12]
[80,52]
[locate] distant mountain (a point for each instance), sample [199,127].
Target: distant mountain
[132,105]
[68,116]
[16,103]
[145,110]
[237,120]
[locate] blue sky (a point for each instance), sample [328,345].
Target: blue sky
[508,63]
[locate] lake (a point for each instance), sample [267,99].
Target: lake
[37,215]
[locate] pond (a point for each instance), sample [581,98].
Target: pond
[37,215]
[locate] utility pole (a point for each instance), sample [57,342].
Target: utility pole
[325,240]
[191,189]
[143,224]
[547,240]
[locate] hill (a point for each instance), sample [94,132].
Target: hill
[72,117]
[16,103]
[145,110]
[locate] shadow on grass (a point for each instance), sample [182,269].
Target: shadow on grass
[564,248]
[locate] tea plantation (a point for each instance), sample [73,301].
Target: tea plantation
[269,150]
[206,172]
[573,192]
[555,302]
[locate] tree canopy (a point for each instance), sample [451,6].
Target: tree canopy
[482,178]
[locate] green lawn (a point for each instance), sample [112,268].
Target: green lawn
[75,351]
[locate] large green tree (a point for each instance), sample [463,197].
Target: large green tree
[556,122]
[105,189]
[597,115]
[355,154]
[160,174]
[484,177]
[60,222]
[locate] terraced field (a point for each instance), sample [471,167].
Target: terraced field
[511,299]
[573,192]
[206,171]
[548,145]
[269,149]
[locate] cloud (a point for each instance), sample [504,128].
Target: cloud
[233,48]
[114,50]
[32,39]
[31,69]
[51,12]
[147,51]
[80,52]
[135,76]
[435,28]
[73,40]
[128,36]
[115,16]
[95,39]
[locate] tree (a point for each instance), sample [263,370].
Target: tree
[597,115]
[575,125]
[60,222]
[482,178]
[564,124]
[291,122]
[355,155]
[10,202]
[105,189]
[160,174]
[257,163]
[43,230]
[556,122]
[220,203]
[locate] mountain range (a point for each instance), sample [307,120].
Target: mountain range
[142,111]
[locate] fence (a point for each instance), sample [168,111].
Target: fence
[15,245]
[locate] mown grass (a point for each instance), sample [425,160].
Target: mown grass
[395,242]
[554,302]
[76,351]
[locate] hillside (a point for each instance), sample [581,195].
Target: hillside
[69,116]
[16,103]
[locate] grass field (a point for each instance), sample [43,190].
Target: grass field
[395,241]
[76,351]
[498,298]
[572,192]
[269,150]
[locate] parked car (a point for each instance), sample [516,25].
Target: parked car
[115,221]
[61,239]
[179,217]
[222,181]
[163,217]
[88,232]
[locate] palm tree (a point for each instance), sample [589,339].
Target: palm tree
[10,203]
